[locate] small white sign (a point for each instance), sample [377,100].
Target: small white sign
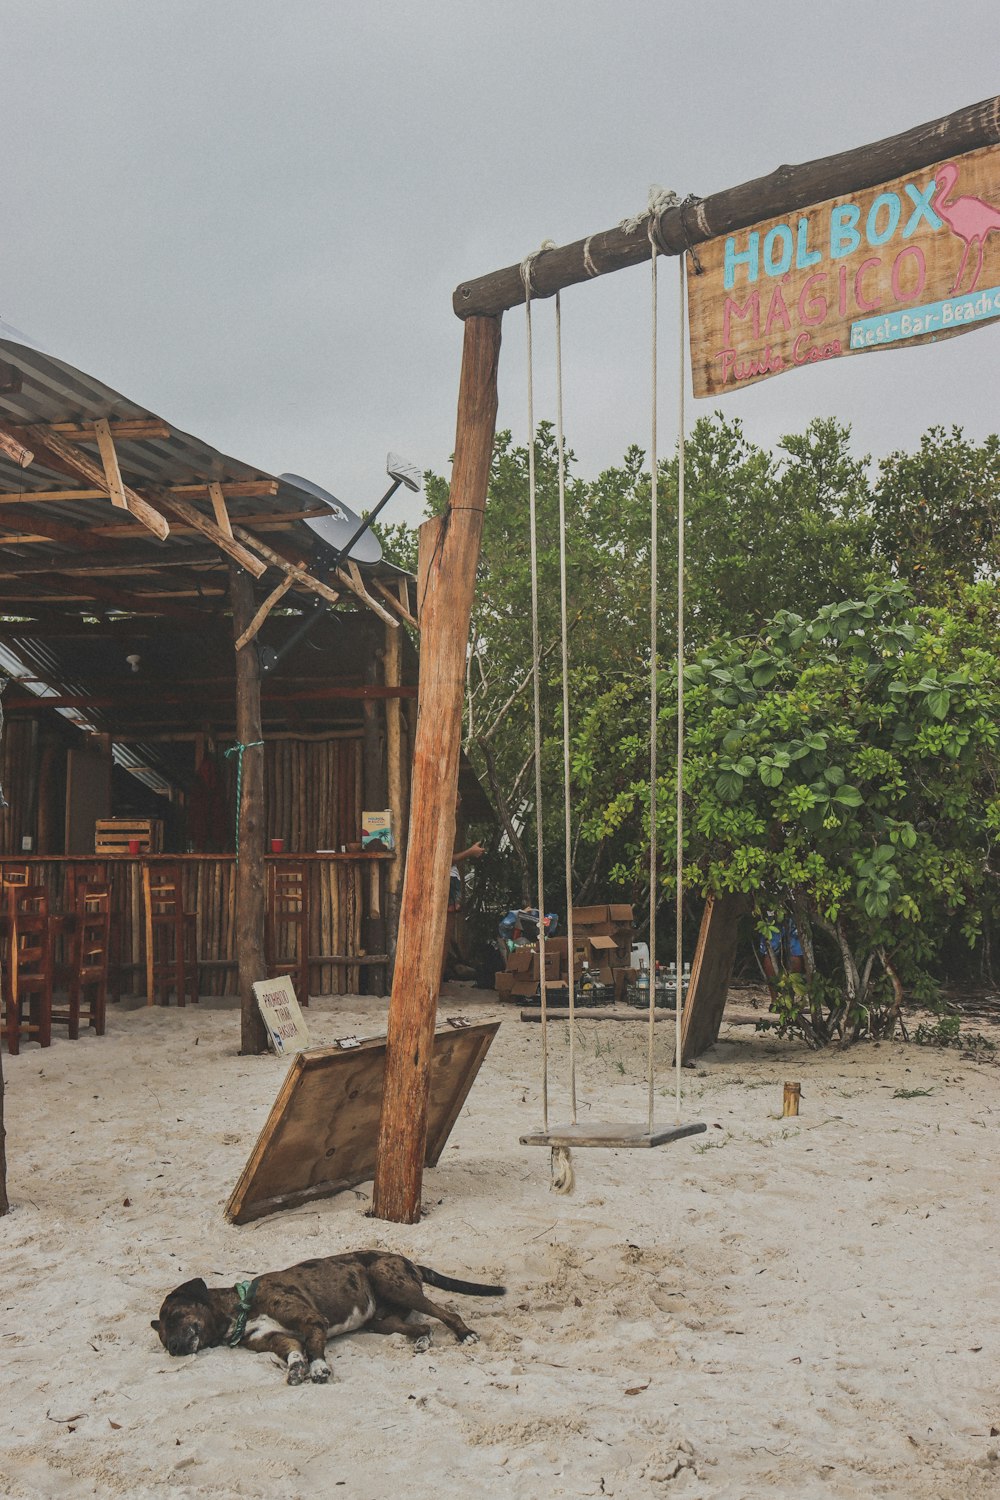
[286,1028]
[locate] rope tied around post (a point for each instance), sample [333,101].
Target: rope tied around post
[238,750]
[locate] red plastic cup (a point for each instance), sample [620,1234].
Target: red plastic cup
[277,846]
[135,846]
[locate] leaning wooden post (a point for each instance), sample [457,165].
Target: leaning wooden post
[446,608]
[249,873]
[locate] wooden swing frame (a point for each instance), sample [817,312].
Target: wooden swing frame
[450,553]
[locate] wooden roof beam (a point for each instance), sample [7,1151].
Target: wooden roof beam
[123,430]
[237,489]
[74,458]
[27,529]
[15,451]
[225,543]
[109,458]
[299,575]
[352,580]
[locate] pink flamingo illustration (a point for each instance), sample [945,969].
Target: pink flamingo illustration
[971,219]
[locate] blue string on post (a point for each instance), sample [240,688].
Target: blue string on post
[238,750]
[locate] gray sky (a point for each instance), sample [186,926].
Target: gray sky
[250,215]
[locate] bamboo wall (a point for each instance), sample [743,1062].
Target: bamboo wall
[340,890]
[19,778]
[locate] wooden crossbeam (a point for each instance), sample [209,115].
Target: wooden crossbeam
[295,571]
[75,459]
[351,579]
[395,602]
[227,543]
[109,458]
[265,609]
[124,430]
[776,196]
[27,529]
[238,489]
[124,599]
[218,500]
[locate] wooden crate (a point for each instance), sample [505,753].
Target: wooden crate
[112,835]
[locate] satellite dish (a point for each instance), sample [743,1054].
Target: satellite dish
[338,526]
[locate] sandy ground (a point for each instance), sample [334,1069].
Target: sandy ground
[792,1307]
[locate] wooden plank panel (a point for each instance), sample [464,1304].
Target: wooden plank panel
[321,1134]
[711,972]
[608,1134]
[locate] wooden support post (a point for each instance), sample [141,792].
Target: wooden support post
[447,608]
[393,667]
[249,875]
[4,1201]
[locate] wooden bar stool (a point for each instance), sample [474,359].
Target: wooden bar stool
[27,979]
[95,872]
[89,946]
[286,926]
[171,937]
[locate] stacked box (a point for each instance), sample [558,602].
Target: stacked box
[602,939]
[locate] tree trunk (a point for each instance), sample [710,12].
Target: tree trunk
[250,961]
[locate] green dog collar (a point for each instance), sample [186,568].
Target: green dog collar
[246,1291]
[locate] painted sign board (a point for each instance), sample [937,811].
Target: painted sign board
[906,262]
[279,1009]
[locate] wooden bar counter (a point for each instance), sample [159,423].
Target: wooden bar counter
[341,888]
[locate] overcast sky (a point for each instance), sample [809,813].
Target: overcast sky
[249,215]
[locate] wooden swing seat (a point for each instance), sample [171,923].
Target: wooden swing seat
[607,1133]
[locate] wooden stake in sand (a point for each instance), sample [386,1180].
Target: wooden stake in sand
[793,1093]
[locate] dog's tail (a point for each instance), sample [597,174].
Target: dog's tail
[449,1284]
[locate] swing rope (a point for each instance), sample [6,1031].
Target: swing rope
[536,662]
[563,614]
[678,998]
[562,1172]
[654,664]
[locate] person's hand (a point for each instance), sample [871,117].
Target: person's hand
[476,851]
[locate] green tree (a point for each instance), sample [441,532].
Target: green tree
[844,769]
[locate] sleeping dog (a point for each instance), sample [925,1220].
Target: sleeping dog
[293,1313]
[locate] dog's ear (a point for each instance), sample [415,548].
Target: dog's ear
[155,1325]
[191,1291]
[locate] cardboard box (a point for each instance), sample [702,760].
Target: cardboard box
[521,960]
[503,982]
[376,830]
[600,952]
[524,988]
[590,916]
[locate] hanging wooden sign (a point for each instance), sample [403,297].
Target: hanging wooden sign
[904,262]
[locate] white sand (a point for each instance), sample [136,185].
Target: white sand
[786,1307]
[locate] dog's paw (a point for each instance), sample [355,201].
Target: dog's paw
[422,1344]
[469,1338]
[297,1369]
[320,1372]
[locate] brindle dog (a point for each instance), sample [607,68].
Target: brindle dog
[293,1313]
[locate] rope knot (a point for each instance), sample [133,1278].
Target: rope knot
[529,261]
[238,750]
